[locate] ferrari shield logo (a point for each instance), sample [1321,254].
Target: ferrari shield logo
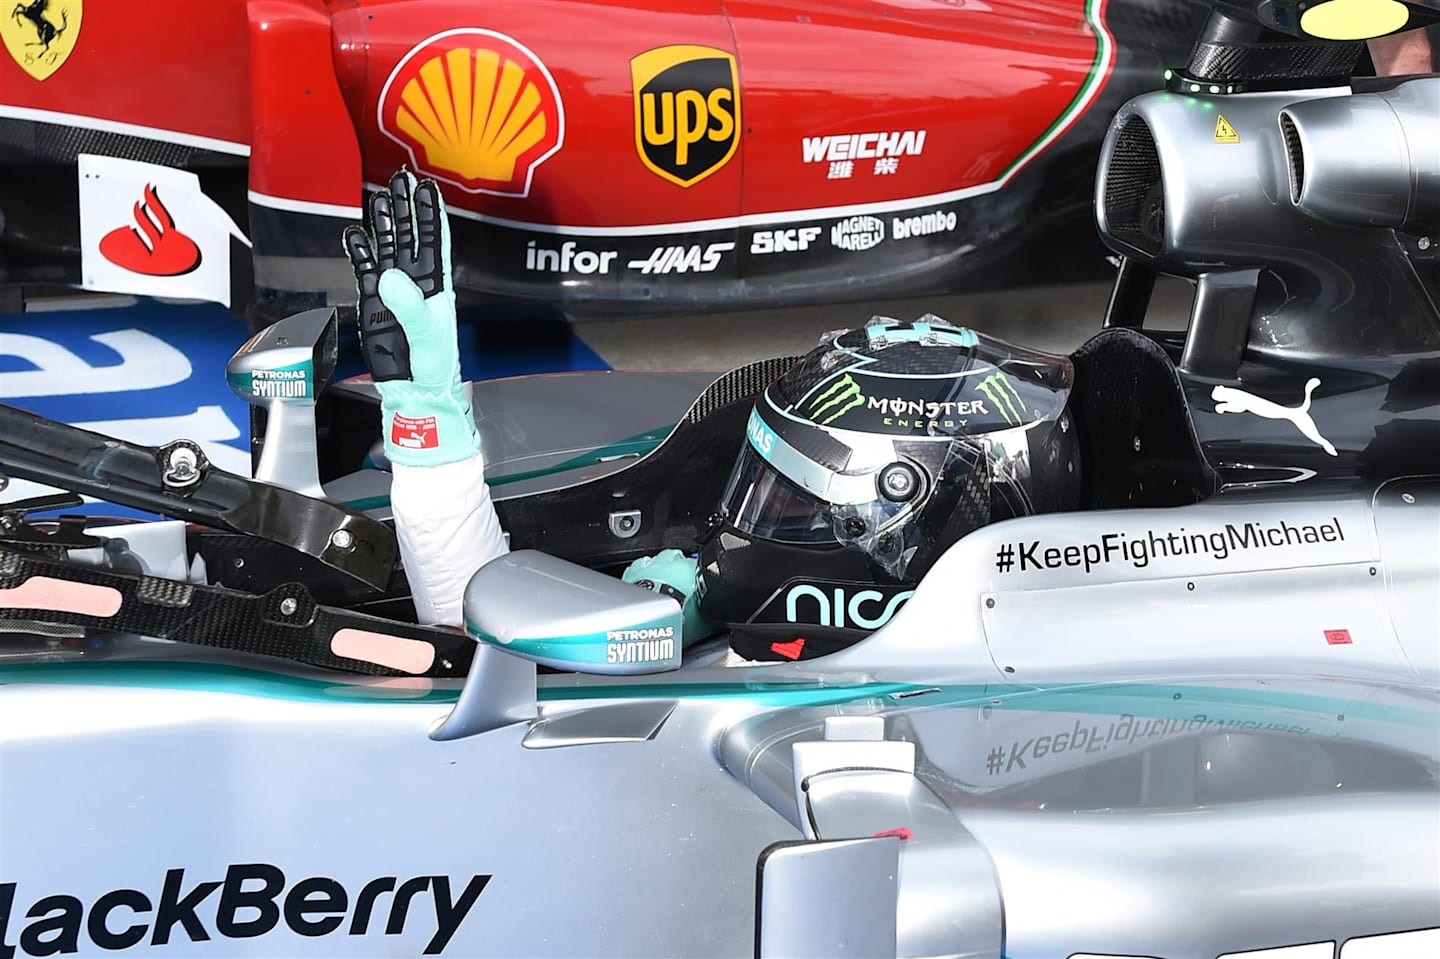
[41,33]
[687,111]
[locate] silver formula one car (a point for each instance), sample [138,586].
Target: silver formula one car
[1195,716]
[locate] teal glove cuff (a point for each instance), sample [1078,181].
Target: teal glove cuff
[426,420]
[426,425]
[673,568]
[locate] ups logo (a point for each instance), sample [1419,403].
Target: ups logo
[687,111]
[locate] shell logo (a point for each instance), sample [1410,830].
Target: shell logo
[474,108]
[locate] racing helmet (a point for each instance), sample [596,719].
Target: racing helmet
[873,454]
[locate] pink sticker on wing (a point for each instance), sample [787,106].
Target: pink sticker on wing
[62,596]
[393,652]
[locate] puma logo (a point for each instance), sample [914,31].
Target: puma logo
[1230,400]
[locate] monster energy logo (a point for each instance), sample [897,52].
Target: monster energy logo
[841,397]
[1002,394]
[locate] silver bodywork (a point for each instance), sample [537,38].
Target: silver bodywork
[1213,189]
[1221,188]
[1367,160]
[1208,731]
[1169,760]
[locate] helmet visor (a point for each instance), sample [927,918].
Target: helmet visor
[762,503]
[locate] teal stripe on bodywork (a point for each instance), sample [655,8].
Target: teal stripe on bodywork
[1172,701]
[214,678]
[1151,701]
[639,446]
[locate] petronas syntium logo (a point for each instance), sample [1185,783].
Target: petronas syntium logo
[1004,397]
[834,401]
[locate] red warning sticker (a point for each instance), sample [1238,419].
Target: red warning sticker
[414,434]
[1337,637]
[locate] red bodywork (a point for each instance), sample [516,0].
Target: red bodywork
[927,105]
[807,69]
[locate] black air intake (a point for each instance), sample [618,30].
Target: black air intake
[1134,198]
[1294,156]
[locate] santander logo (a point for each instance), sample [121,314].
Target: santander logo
[153,246]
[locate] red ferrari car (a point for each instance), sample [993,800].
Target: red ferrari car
[605,155]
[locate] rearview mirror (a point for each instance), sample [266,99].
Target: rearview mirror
[557,613]
[280,371]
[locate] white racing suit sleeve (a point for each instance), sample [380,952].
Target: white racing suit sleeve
[447,528]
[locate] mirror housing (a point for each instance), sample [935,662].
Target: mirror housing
[560,614]
[281,370]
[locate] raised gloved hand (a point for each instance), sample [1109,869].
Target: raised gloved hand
[408,326]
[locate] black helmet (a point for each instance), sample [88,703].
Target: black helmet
[863,463]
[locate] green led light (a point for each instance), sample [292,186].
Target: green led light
[1194,88]
[1214,89]
[1169,75]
